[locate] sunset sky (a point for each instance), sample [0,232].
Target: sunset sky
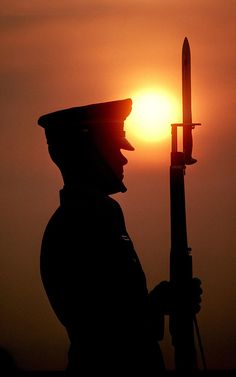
[62,53]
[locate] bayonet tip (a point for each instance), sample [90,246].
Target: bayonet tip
[186,43]
[186,49]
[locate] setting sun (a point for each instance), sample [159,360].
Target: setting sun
[151,116]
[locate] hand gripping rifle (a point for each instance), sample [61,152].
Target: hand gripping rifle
[182,319]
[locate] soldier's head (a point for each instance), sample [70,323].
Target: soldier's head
[85,143]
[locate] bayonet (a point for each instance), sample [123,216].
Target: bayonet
[187,104]
[187,124]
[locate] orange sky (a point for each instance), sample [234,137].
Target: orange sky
[60,54]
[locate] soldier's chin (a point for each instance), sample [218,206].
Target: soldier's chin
[114,182]
[118,186]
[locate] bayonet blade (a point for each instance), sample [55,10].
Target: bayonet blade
[186,82]
[187,104]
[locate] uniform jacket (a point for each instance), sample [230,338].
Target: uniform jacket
[97,288]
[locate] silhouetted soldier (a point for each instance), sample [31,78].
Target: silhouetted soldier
[89,268]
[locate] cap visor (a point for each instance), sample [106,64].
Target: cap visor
[125,144]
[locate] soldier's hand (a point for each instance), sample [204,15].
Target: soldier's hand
[164,297]
[196,294]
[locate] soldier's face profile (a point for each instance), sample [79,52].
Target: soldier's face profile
[116,160]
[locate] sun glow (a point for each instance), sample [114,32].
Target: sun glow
[152,114]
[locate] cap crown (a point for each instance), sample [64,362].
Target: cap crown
[106,119]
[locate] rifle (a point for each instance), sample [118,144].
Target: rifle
[182,319]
